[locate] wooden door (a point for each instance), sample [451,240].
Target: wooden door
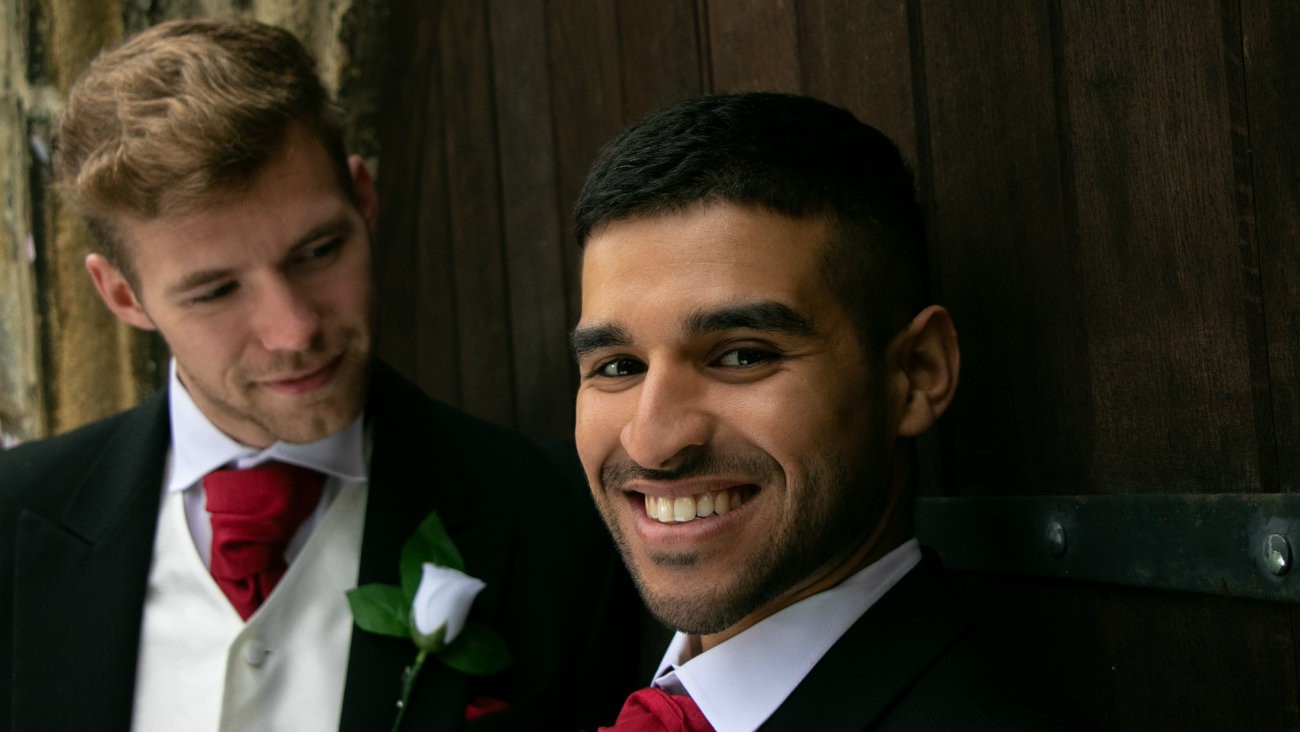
[1114,206]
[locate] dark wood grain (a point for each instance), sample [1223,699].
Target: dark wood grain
[660,47]
[586,96]
[1141,660]
[414,285]
[482,340]
[1272,86]
[529,195]
[1003,258]
[858,55]
[1148,134]
[753,45]
[1255,323]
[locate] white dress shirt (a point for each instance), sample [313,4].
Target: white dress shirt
[198,448]
[202,667]
[740,682]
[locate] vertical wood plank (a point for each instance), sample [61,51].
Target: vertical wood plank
[586,98]
[413,278]
[1272,81]
[1255,325]
[482,342]
[534,255]
[661,61]
[1272,86]
[1153,182]
[1003,260]
[754,45]
[858,55]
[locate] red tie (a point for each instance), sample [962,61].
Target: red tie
[255,513]
[655,710]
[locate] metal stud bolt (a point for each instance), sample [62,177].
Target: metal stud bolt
[1277,554]
[1056,539]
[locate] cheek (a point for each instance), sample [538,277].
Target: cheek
[203,343]
[596,429]
[346,299]
[802,426]
[780,421]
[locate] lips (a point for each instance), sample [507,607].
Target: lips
[307,382]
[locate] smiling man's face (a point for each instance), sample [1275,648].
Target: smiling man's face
[731,426]
[264,296]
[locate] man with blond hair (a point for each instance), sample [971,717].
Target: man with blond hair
[183,565]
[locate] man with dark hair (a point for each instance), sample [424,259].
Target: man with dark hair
[183,565]
[756,355]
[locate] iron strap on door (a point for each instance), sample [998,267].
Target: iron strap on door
[1236,545]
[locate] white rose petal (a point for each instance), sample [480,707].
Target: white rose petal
[443,600]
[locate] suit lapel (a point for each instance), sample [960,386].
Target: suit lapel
[879,657]
[81,571]
[413,472]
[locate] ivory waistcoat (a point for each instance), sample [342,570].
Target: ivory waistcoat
[202,668]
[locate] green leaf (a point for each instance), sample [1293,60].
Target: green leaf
[477,651]
[429,543]
[381,609]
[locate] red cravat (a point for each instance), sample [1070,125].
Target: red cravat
[655,710]
[255,513]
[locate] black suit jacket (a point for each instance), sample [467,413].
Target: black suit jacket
[912,662]
[77,521]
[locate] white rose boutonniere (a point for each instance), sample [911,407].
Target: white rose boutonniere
[431,608]
[441,603]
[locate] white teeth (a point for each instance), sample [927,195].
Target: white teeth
[665,510]
[684,508]
[688,508]
[704,505]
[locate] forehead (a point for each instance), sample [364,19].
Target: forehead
[295,192]
[706,256]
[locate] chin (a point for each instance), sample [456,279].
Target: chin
[299,429]
[697,613]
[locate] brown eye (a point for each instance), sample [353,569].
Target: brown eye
[742,357]
[620,367]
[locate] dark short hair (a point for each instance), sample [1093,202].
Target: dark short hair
[795,156]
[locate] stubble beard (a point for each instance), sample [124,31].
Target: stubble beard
[320,415]
[834,515]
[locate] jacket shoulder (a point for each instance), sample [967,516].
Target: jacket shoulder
[973,687]
[44,465]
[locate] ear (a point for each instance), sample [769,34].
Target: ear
[117,293]
[363,187]
[928,360]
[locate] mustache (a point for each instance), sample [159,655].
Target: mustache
[753,464]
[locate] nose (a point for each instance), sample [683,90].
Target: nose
[284,318]
[671,419]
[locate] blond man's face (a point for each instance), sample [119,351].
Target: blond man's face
[264,297]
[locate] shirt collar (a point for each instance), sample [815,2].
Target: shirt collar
[199,447]
[740,682]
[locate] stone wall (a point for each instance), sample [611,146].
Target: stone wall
[64,360]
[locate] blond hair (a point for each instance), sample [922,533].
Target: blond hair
[181,111]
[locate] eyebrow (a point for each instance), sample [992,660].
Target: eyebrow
[768,316]
[588,338]
[197,279]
